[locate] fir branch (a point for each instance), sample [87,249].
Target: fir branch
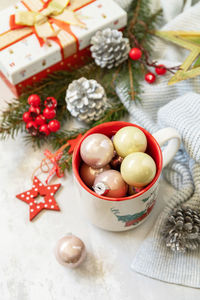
[141,22]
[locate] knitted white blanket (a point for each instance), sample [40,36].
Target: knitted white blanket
[175,106]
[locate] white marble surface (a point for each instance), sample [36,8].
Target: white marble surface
[29,270]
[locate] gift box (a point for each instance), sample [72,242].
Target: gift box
[32,49]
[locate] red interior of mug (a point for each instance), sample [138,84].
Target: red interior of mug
[109,129]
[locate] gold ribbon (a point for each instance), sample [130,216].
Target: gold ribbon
[56,9]
[39,20]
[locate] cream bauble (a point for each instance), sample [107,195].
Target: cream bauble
[129,139]
[138,169]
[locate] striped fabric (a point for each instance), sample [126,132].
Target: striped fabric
[175,106]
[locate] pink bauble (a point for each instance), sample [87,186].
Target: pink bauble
[88,174]
[114,185]
[70,251]
[97,150]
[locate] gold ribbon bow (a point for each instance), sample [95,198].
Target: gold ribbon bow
[39,19]
[56,10]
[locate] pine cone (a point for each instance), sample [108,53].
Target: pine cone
[109,48]
[182,230]
[86,100]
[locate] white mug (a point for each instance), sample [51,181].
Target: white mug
[120,214]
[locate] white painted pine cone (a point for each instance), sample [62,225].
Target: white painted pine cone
[86,100]
[109,49]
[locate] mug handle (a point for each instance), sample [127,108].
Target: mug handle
[173,138]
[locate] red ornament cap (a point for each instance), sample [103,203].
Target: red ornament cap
[34,100]
[39,189]
[49,113]
[54,125]
[135,53]
[50,102]
[150,77]
[161,70]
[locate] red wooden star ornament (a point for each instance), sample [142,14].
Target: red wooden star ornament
[38,189]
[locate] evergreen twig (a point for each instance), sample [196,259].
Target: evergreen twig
[141,23]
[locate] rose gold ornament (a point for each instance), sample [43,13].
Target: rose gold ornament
[132,190]
[88,174]
[97,150]
[116,162]
[70,251]
[115,187]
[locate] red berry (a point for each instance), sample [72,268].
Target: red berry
[34,111]
[160,70]
[54,125]
[34,100]
[31,127]
[49,113]
[150,77]
[50,102]
[40,120]
[135,53]
[44,129]
[27,117]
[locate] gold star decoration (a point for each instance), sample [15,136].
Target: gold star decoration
[190,41]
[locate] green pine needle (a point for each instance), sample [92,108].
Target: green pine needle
[141,23]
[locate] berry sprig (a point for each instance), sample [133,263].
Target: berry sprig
[141,54]
[40,121]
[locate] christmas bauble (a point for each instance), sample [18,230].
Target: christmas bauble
[50,102]
[97,150]
[54,125]
[150,77]
[34,100]
[49,113]
[111,184]
[160,70]
[70,251]
[44,129]
[88,174]
[129,139]
[138,169]
[116,162]
[40,120]
[132,190]
[135,53]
